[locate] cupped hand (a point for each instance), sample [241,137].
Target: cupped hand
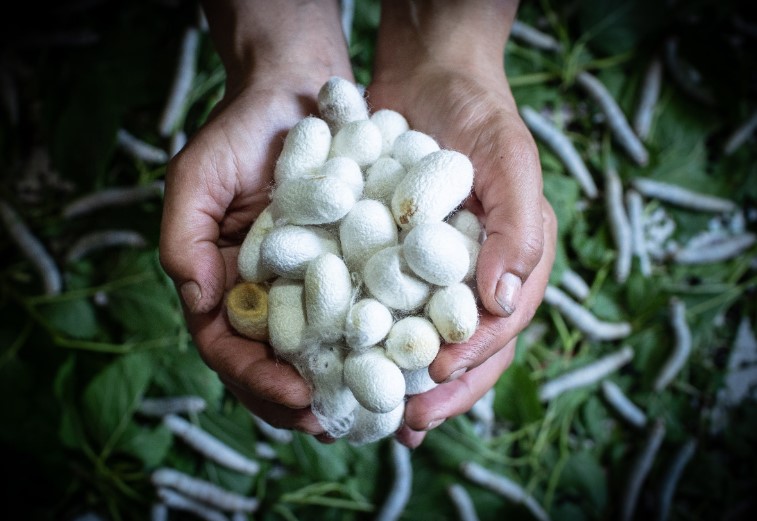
[215,187]
[473,111]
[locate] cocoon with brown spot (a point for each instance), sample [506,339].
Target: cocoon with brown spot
[454,313]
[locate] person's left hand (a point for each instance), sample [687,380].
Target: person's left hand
[473,112]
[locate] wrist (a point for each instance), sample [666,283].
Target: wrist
[259,40]
[457,34]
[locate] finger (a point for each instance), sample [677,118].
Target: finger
[428,410]
[509,186]
[193,207]
[493,331]
[409,438]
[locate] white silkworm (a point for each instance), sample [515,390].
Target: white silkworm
[203,491]
[210,446]
[650,93]
[139,149]
[574,284]
[628,410]
[716,251]
[583,319]
[399,494]
[616,119]
[482,412]
[32,248]
[466,510]
[547,132]
[347,8]
[112,197]
[276,435]
[159,407]
[739,136]
[635,208]
[620,227]
[182,82]
[586,375]
[265,451]
[178,140]
[503,486]
[159,512]
[682,197]
[681,345]
[99,240]
[640,469]
[673,474]
[178,501]
[534,37]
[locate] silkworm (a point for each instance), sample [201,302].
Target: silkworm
[203,491]
[178,501]
[635,207]
[32,248]
[159,407]
[466,511]
[159,512]
[210,446]
[282,436]
[586,375]
[673,474]
[628,410]
[682,197]
[583,319]
[650,93]
[616,119]
[483,413]
[716,251]
[547,132]
[640,469]
[534,37]
[139,149]
[620,227]
[347,8]
[178,140]
[99,240]
[574,284]
[112,197]
[681,345]
[265,451]
[503,486]
[182,82]
[399,494]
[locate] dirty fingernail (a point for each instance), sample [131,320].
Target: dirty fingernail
[507,292]
[191,294]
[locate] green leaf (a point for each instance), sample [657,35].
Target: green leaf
[517,396]
[111,397]
[148,444]
[71,429]
[72,318]
[321,462]
[584,475]
[185,373]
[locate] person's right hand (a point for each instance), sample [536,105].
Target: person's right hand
[276,56]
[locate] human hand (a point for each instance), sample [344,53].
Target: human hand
[470,109]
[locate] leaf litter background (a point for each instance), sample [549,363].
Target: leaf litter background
[74,366]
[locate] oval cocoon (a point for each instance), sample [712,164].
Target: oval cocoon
[287,250]
[366,229]
[389,279]
[368,323]
[347,171]
[418,381]
[412,343]
[333,402]
[371,426]
[391,124]
[432,188]
[454,313]
[286,318]
[249,262]
[466,223]
[358,140]
[340,102]
[376,381]
[411,146]
[328,296]
[306,148]
[381,178]
[436,252]
[313,200]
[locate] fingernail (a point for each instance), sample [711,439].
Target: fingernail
[433,424]
[191,294]
[507,292]
[456,374]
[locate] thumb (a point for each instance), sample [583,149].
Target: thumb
[189,235]
[510,190]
